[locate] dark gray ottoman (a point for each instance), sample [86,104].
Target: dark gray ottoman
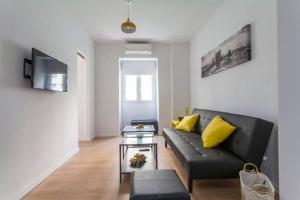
[162,184]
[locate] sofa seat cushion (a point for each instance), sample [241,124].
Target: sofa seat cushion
[201,162]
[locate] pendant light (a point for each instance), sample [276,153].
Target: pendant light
[128,26]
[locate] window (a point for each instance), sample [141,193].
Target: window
[131,87]
[146,88]
[138,88]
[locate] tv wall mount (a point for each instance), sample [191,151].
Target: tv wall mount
[27,69]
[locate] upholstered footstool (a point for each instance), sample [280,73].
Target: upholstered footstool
[161,184]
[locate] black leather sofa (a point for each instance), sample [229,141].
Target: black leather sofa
[247,144]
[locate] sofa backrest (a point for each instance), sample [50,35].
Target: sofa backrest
[249,140]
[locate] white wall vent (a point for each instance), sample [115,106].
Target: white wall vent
[138,49]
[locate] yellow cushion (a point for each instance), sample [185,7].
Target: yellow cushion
[187,123]
[216,132]
[175,122]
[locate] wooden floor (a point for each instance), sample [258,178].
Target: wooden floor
[93,174]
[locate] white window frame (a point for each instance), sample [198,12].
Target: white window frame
[138,90]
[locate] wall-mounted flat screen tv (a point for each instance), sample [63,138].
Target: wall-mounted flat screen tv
[48,73]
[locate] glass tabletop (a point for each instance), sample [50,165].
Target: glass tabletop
[138,141]
[147,128]
[138,134]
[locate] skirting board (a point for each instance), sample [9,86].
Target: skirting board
[108,134]
[25,190]
[87,140]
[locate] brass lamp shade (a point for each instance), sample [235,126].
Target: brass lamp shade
[128,26]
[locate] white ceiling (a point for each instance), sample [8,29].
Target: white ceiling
[156,20]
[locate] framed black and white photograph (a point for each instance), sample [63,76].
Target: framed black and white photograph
[232,52]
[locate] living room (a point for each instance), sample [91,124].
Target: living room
[69,144]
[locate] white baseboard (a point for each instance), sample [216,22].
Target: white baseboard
[25,190]
[87,139]
[115,134]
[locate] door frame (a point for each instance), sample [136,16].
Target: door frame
[81,136]
[140,59]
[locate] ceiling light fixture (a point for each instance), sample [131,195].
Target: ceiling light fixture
[128,26]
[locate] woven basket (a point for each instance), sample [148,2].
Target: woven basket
[255,185]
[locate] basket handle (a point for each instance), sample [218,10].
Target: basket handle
[254,169]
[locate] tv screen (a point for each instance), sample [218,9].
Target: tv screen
[48,73]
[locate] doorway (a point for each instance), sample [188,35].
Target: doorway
[138,90]
[82,97]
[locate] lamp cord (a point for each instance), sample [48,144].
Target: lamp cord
[128,4]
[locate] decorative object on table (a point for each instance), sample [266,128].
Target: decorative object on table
[255,185]
[232,52]
[138,160]
[140,126]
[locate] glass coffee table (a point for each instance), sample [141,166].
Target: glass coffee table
[132,145]
[138,134]
[131,129]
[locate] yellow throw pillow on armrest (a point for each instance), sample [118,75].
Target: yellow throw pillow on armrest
[175,122]
[187,123]
[216,132]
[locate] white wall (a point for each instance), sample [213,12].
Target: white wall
[251,88]
[86,98]
[289,98]
[107,85]
[38,128]
[180,78]
[107,88]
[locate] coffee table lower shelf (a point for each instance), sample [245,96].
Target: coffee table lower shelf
[127,152]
